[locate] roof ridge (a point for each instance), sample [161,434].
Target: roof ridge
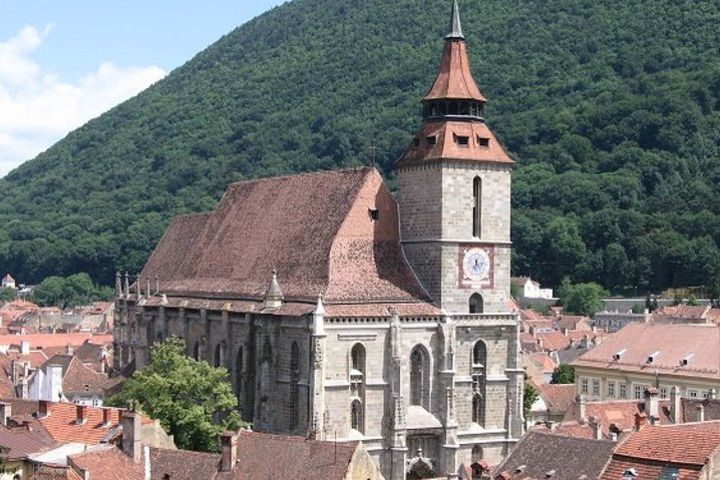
[302,174]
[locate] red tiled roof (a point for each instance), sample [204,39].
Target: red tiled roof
[22,442]
[543,361]
[446,146]
[674,342]
[619,412]
[108,462]
[275,456]
[46,340]
[314,229]
[455,80]
[687,443]
[553,341]
[184,464]
[79,378]
[55,473]
[558,398]
[617,467]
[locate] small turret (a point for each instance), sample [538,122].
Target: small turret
[273,295]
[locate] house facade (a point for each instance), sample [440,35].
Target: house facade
[343,314]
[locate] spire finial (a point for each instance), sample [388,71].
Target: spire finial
[455,25]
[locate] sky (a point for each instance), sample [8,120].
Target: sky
[63,63]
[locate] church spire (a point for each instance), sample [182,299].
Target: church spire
[455,25]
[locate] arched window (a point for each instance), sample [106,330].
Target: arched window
[220,355]
[197,351]
[479,360]
[477,207]
[476,303]
[476,453]
[294,387]
[239,377]
[419,377]
[356,416]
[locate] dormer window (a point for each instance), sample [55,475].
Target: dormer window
[431,140]
[374,214]
[653,357]
[462,140]
[483,142]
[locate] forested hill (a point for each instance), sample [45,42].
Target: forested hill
[612,109]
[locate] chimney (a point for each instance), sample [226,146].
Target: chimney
[53,383]
[69,349]
[675,404]
[24,388]
[107,417]
[640,421]
[596,427]
[228,458]
[580,402]
[80,414]
[43,409]
[652,404]
[701,413]
[24,347]
[130,423]
[613,436]
[5,412]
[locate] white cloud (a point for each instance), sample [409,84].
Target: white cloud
[37,108]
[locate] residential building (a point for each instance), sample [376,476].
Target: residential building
[552,405]
[8,282]
[66,378]
[686,452]
[530,289]
[701,314]
[330,325]
[615,320]
[644,355]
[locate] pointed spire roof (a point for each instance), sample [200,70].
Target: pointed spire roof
[273,291]
[455,80]
[455,24]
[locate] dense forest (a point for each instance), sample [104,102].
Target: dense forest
[611,109]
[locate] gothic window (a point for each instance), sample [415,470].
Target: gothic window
[476,303]
[419,377]
[356,416]
[294,387]
[219,355]
[479,360]
[239,377]
[476,453]
[477,207]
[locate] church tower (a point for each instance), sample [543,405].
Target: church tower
[454,185]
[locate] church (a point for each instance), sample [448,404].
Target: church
[342,312]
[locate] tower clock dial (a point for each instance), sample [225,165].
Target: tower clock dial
[476,264]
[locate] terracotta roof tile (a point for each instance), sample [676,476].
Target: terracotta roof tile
[558,398]
[183,464]
[55,473]
[552,342]
[674,342]
[23,441]
[107,462]
[45,340]
[688,443]
[645,469]
[326,243]
[455,80]
[621,413]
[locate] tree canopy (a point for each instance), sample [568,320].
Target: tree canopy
[582,298]
[612,116]
[185,395]
[563,374]
[71,291]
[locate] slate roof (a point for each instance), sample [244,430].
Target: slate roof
[315,229]
[674,342]
[538,453]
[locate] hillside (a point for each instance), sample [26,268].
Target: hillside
[611,108]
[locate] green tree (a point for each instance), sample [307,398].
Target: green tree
[582,298]
[77,289]
[8,294]
[184,394]
[563,374]
[51,291]
[530,394]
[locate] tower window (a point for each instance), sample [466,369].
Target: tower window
[477,207]
[483,142]
[356,416]
[479,359]
[431,140]
[294,388]
[476,303]
[374,214]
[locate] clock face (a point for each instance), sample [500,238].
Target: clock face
[476,264]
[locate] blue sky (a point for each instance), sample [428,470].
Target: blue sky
[65,62]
